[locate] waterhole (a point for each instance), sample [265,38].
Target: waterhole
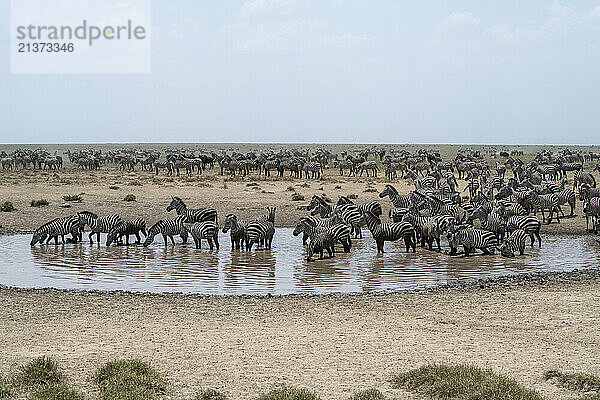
[283,270]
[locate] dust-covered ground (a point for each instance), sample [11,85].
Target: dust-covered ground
[332,344]
[104,190]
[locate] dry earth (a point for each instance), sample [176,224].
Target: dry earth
[333,344]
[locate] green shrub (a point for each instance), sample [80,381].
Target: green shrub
[209,394]
[129,197]
[462,382]
[60,391]
[369,394]
[39,372]
[7,206]
[289,393]
[39,203]
[129,380]
[297,197]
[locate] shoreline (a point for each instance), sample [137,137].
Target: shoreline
[333,344]
[532,279]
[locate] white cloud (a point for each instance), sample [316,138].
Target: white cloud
[458,20]
[271,8]
[594,13]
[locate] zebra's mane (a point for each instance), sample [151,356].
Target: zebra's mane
[47,224]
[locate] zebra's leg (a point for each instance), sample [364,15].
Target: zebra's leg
[127,239]
[137,238]
[216,239]
[98,237]
[62,239]
[90,237]
[56,240]
[164,235]
[210,243]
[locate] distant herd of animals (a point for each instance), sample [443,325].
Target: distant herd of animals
[507,210]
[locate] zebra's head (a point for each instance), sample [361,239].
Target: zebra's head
[175,202]
[152,232]
[38,237]
[86,217]
[506,251]
[314,202]
[388,191]
[410,174]
[230,222]
[111,237]
[301,227]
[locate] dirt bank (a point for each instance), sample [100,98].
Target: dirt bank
[104,191]
[334,344]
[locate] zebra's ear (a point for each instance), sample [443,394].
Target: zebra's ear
[172,197]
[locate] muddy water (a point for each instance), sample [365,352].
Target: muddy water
[280,271]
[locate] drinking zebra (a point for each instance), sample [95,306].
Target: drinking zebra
[492,221]
[257,232]
[98,225]
[168,228]
[471,239]
[237,231]
[55,228]
[192,215]
[530,224]
[319,242]
[340,231]
[390,232]
[126,228]
[514,242]
[204,230]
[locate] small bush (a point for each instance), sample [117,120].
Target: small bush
[129,380]
[574,381]
[251,184]
[114,187]
[290,189]
[73,197]
[129,197]
[338,186]
[352,196]
[297,197]
[60,391]
[304,185]
[209,394]
[462,382]
[7,206]
[41,371]
[289,393]
[369,394]
[39,203]
[135,183]
[370,190]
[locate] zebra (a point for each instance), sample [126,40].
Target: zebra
[427,182]
[340,231]
[543,202]
[566,196]
[368,165]
[530,224]
[237,231]
[471,239]
[372,206]
[349,213]
[390,232]
[515,241]
[319,242]
[257,232]
[314,168]
[55,228]
[399,201]
[126,228]
[587,192]
[580,177]
[591,208]
[98,225]
[492,221]
[192,215]
[204,230]
[168,227]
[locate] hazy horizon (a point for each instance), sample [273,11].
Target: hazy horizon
[332,71]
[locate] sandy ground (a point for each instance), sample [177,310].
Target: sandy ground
[153,194]
[334,344]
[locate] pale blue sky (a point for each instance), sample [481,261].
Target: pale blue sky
[331,71]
